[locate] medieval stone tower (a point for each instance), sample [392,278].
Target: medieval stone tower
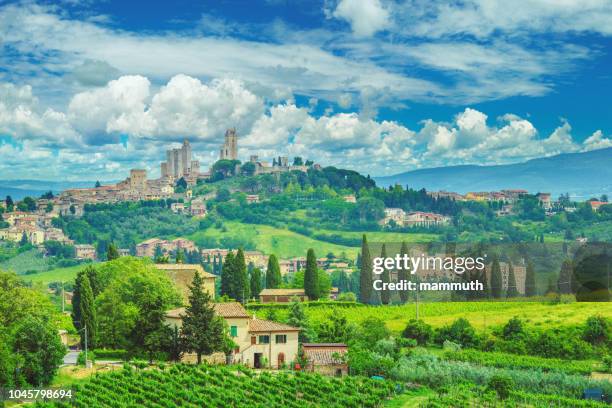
[229,150]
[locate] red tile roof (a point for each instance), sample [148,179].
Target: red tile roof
[258,325]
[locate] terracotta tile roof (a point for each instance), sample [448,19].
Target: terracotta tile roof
[185,267]
[225,310]
[231,309]
[282,292]
[324,353]
[258,325]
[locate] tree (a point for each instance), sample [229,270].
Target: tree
[530,283]
[297,161]
[202,330]
[97,184]
[273,274]
[24,239]
[255,282]
[41,352]
[241,279]
[180,256]
[365,277]
[248,169]
[111,252]
[496,278]
[565,277]
[9,203]
[385,294]
[403,274]
[88,321]
[181,184]
[227,275]
[311,276]
[512,289]
[297,318]
[150,334]
[419,331]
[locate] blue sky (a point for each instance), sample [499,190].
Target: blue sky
[91,89]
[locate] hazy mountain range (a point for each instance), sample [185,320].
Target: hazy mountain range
[583,175]
[18,189]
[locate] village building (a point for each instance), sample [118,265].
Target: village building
[34,235]
[349,199]
[252,198]
[259,343]
[197,208]
[425,219]
[85,252]
[282,295]
[396,215]
[545,200]
[326,358]
[177,208]
[147,249]
[595,205]
[182,276]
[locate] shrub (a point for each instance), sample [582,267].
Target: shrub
[513,329]
[596,330]
[501,384]
[460,331]
[91,356]
[419,331]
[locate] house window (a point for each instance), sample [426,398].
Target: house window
[264,339]
[281,338]
[234,331]
[253,340]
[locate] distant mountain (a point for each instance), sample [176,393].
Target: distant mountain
[19,189]
[583,175]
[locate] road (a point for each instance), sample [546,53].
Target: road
[71,357]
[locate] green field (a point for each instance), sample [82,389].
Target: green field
[54,275]
[31,260]
[482,315]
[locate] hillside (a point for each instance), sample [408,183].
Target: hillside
[583,175]
[19,189]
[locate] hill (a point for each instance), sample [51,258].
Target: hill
[583,175]
[19,189]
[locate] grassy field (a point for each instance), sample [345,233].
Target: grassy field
[31,260]
[482,315]
[54,275]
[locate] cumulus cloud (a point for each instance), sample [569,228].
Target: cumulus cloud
[366,17]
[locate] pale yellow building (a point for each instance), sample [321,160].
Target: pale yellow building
[259,343]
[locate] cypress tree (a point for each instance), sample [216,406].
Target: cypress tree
[76,300]
[385,294]
[180,256]
[311,276]
[255,282]
[565,277]
[88,313]
[530,283]
[242,287]
[496,278]
[512,289]
[365,277]
[111,252]
[273,274]
[202,330]
[403,274]
[227,275]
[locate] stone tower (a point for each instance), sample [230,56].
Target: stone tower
[229,150]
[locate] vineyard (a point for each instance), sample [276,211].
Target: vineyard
[224,386]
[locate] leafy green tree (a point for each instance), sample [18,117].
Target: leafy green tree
[403,274]
[297,318]
[365,278]
[248,169]
[150,334]
[371,330]
[530,282]
[10,204]
[597,330]
[496,278]
[385,294]
[460,332]
[419,331]
[311,276]
[228,275]
[273,273]
[40,349]
[242,287]
[112,252]
[88,319]
[202,330]
[512,289]
[180,256]
[255,282]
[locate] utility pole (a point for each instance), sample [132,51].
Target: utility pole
[85,346]
[63,297]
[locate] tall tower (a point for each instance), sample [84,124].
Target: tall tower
[229,150]
[186,156]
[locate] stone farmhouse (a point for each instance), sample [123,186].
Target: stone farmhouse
[414,218]
[259,343]
[281,295]
[326,358]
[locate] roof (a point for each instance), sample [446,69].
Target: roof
[230,309]
[185,267]
[258,325]
[324,353]
[281,292]
[225,310]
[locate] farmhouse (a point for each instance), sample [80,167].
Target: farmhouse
[281,295]
[326,358]
[182,276]
[259,343]
[85,252]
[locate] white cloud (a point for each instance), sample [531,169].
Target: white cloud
[366,17]
[597,141]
